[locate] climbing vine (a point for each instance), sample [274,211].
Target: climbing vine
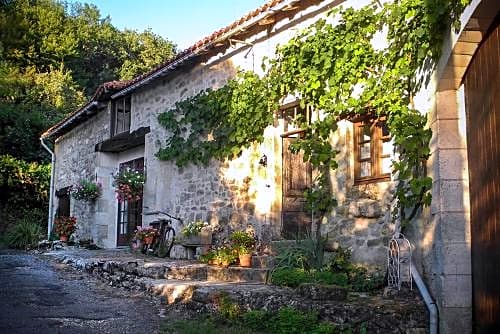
[367,62]
[217,123]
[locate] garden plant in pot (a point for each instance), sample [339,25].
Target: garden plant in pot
[146,234]
[197,233]
[65,226]
[128,184]
[86,190]
[244,243]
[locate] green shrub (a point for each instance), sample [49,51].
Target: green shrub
[25,235]
[256,320]
[285,321]
[290,321]
[363,281]
[306,254]
[295,267]
[325,328]
[228,309]
[24,189]
[341,260]
[328,277]
[291,277]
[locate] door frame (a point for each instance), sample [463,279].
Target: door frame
[140,161]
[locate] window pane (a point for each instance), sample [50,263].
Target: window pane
[127,104]
[365,133]
[385,130]
[119,116]
[365,169]
[386,165]
[364,151]
[387,147]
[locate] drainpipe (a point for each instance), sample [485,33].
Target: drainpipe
[431,305]
[51,189]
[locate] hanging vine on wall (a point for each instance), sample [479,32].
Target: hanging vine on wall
[217,123]
[371,61]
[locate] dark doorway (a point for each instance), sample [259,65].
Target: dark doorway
[297,178]
[129,212]
[63,202]
[482,95]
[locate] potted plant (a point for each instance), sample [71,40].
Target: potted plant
[244,243]
[86,190]
[146,234]
[209,257]
[197,233]
[65,226]
[128,184]
[226,256]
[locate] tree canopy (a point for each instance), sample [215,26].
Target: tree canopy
[53,55]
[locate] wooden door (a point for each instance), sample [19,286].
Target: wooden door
[129,212]
[482,94]
[296,222]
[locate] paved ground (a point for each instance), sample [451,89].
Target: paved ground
[39,296]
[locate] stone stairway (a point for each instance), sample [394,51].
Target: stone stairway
[188,285]
[175,280]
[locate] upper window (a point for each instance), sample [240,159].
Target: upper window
[121,115]
[290,115]
[373,147]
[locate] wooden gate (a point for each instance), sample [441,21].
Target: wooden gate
[129,212]
[296,179]
[482,95]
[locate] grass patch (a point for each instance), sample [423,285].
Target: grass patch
[285,321]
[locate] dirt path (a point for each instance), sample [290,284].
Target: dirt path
[41,296]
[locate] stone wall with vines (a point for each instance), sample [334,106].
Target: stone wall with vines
[369,61]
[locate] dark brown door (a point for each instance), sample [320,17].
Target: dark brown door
[296,222]
[129,212]
[482,94]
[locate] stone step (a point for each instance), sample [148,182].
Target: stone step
[237,274]
[175,291]
[196,271]
[213,273]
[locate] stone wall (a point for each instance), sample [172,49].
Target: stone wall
[76,159]
[231,195]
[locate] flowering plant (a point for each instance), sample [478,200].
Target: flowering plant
[128,184]
[86,190]
[65,226]
[243,241]
[142,233]
[193,228]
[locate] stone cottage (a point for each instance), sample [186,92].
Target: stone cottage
[262,189]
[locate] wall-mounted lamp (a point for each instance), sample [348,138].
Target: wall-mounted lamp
[263,160]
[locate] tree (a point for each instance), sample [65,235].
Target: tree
[52,57]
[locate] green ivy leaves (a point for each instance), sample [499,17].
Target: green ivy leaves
[341,70]
[217,123]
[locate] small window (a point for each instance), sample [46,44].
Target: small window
[289,115]
[373,147]
[121,115]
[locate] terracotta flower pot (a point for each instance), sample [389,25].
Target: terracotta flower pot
[148,240]
[224,264]
[245,260]
[63,238]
